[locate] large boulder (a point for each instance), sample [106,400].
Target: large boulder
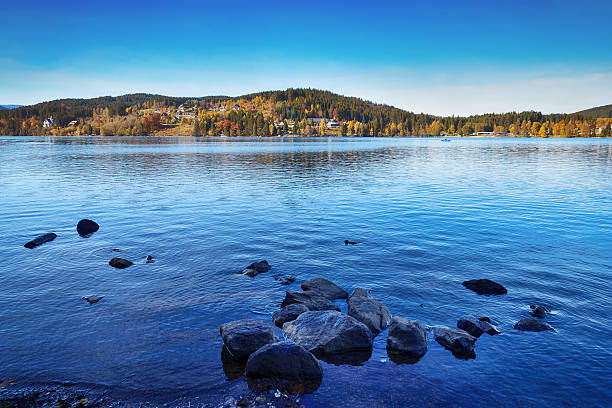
[326,288]
[485,287]
[460,342]
[328,332]
[243,337]
[40,240]
[369,311]
[120,263]
[288,313]
[87,227]
[256,268]
[532,325]
[471,326]
[538,311]
[312,300]
[407,337]
[285,366]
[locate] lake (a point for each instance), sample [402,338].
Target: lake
[532,214]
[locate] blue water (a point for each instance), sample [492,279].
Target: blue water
[534,215]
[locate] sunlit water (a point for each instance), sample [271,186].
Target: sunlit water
[534,215]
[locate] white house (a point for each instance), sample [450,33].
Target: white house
[49,122]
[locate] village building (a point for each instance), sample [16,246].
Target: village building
[73,123]
[49,122]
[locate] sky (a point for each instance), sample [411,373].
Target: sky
[439,57]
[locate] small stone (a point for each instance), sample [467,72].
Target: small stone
[470,326]
[532,325]
[93,298]
[40,240]
[488,327]
[284,279]
[87,227]
[485,287]
[120,263]
[150,259]
[538,311]
[459,342]
[347,242]
[288,314]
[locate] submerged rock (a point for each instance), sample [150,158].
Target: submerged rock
[471,326]
[328,332]
[532,325]
[485,287]
[87,227]
[232,367]
[326,288]
[256,268]
[347,242]
[407,337]
[243,337]
[40,240]
[369,311]
[312,300]
[538,311]
[120,263]
[288,313]
[93,298]
[284,279]
[150,259]
[459,342]
[285,366]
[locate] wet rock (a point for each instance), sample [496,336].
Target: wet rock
[40,240]
[120,263]
[485,287]
[325,288]
[285,366]
[243,337]
[150,259]
[328,332]
[312,300]
[288,313]
[483,318]
[284,279]
[532,325]
[407,337]
[347,242]
[369,311]
[232,368]
[488,327]
[538,311]
[93,298]
[256,268]
[459,342]
[470,326]
[87,227]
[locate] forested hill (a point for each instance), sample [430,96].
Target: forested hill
[292,111]
[604,111]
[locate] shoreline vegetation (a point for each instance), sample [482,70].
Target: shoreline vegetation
[292,112]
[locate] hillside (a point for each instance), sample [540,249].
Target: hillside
[293,111]
[604,111]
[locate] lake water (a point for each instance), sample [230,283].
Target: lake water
[533,215]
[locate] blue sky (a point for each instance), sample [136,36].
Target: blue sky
[440,57]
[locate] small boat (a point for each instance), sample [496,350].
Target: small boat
[445,140]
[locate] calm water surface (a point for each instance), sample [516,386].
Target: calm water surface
[534,215]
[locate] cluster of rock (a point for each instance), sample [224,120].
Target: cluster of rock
[85,228]
[534,325]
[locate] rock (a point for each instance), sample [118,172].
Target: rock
[538,311]
[326,288]
[470,326]
[120,263]
[243,337]
[40,240]
[312,300]
[256,268]
[232,368]
[459,342]
[288,313]
[284,279]
[93,298]
[369,311]
[328,332]
[285,366]
[488,327]
[407,337]
[150,259]
[361,292]
[87,227]
[483,318]
[485,287]
[532,325]
[347,242]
